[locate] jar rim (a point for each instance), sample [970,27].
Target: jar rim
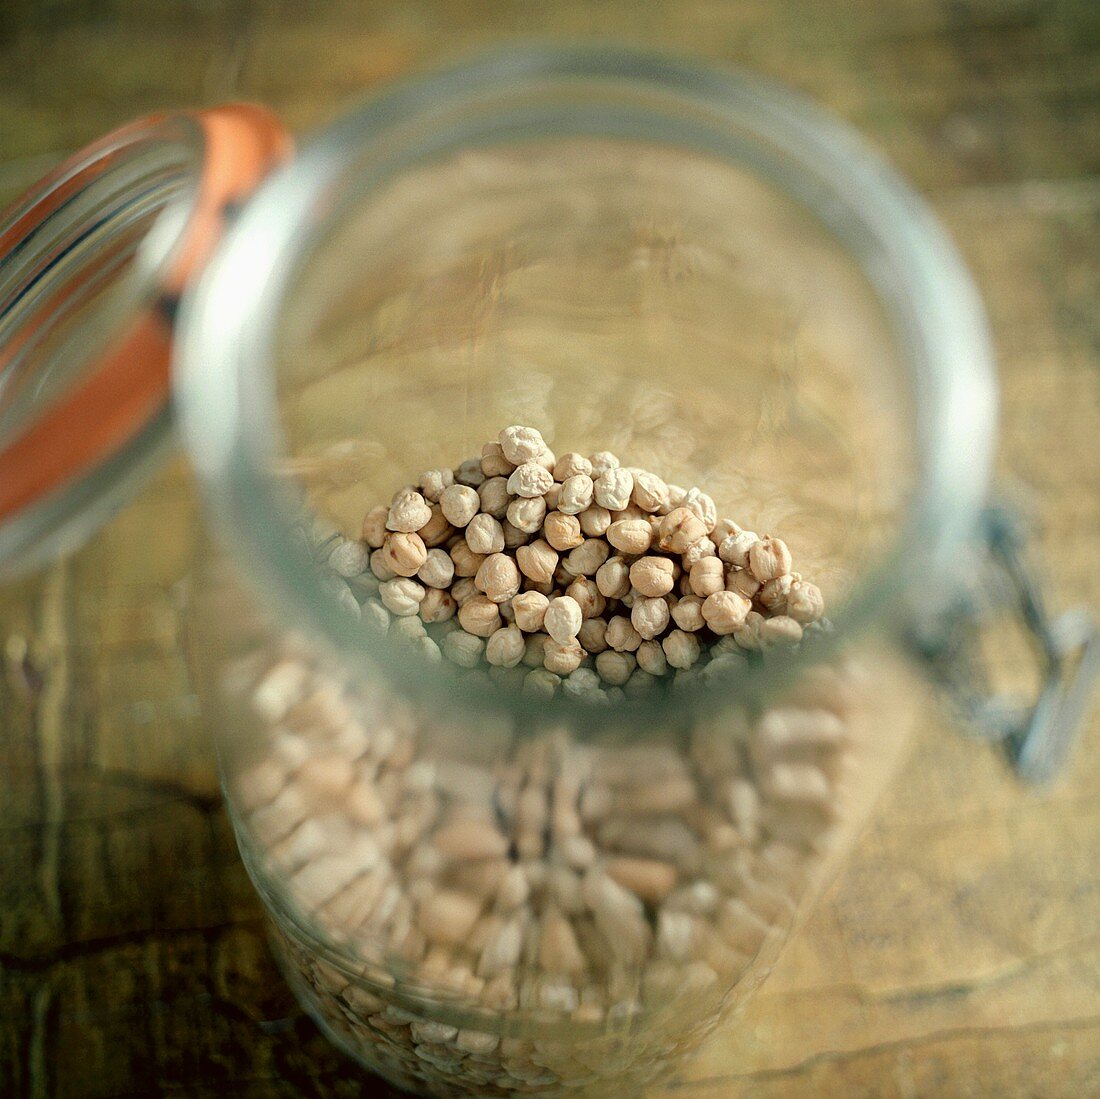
[225,388]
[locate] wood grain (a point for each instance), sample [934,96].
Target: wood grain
[958,953]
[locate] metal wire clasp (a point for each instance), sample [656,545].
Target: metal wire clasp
[1036,737]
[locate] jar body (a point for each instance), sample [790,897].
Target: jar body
[480,897]
[472,904]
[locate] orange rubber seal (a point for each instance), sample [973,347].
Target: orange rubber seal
[129,384]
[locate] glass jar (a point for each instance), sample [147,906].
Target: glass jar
[476,885]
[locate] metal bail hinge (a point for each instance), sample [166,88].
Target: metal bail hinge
[1037,737]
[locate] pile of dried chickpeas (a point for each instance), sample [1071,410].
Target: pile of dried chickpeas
[571,573]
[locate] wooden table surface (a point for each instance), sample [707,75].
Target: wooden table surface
[959,951]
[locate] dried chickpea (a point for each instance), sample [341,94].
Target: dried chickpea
[438,570]
[463,648]
[613,488]
[563,532]
[613,578]
[571,464]
[537,561]
[401,596]
[747,635]
[494,497]
[640,683]
[592,635]
[804,602]
[702,505]
[780,629]
[436,530]
[724,611]
[562,657]
[697,551]
[505,648]
[773,595]
[463,589]
[530,609]
[374,526]
[615,667]
[602,461]
[582,683]
[433,482]
[650,492]
[521,444]
[469,473]
[734,548]
[404,554]
[687,613]
[409,511]
[633,536]
[349,558]
[498,577]
[438,606]
[587,596]
[649,617]
[708,576]
[742,581]
[681,649]
[651,658]
[594,521]
[529,479]
[539,683]
[769,559]
[466,562]
[563,619]
[587,558]
[621,635]
[680,529]
[459,504]
[479,616]
[534,650]
[527,515]
[484,534]
[576,495]
[652,576]
[493,461]
[723,529]
[407,629]
[379,567]
[513,536]
[552,495]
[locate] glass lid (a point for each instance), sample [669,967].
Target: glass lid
[93,259]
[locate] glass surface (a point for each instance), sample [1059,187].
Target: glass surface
[103,235]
